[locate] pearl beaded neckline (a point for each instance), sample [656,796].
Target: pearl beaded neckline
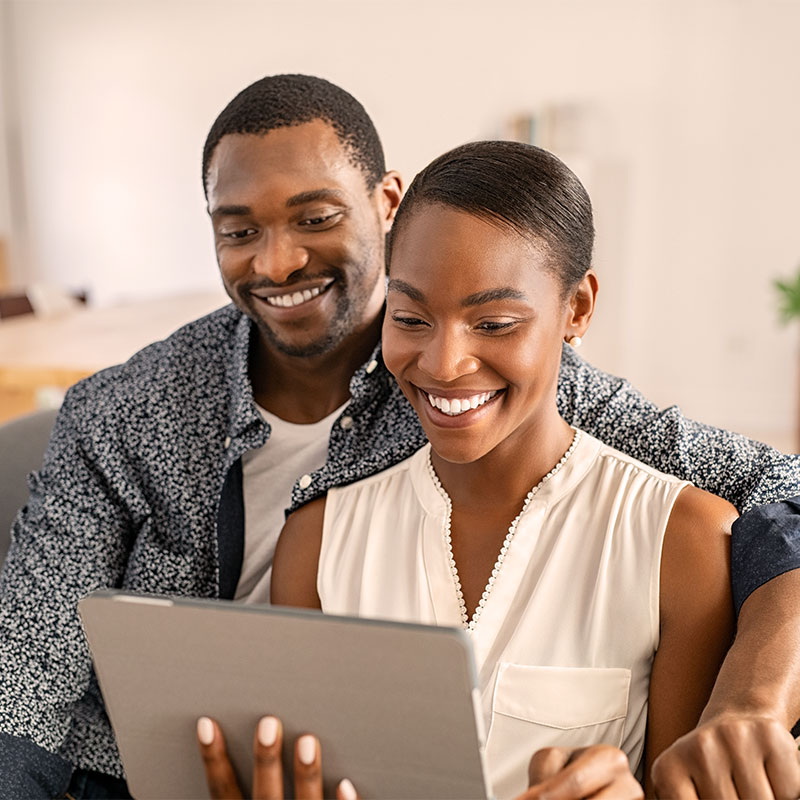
[468,623]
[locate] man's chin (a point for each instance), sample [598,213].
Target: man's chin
[302,347]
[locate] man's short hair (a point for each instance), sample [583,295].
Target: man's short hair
[280,101]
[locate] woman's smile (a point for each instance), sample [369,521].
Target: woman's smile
[456,409]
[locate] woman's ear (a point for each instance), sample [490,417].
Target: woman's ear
[580,308]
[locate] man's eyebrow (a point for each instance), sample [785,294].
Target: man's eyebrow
[295,200]
[314,195]
[490,295]
[396,285]
[231,211]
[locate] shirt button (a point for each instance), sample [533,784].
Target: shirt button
[227,442]
[372,366]
[305,481]
[345,423]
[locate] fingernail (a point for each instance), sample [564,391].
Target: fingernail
[267,731]
[205,730]
[347,790]
[306,749]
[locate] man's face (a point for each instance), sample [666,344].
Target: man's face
[299,236]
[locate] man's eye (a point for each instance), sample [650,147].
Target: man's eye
[239,234]
[321,221]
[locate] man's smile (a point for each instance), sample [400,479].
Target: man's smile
[297,296]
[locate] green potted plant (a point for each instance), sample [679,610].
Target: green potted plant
[789,309]
[789,292]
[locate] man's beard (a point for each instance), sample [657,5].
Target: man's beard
[333,337]
[348,314]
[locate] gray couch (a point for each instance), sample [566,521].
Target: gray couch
[22,445]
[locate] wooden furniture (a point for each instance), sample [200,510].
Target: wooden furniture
[14,304]
[41,358]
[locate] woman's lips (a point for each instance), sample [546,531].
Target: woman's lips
[456,409]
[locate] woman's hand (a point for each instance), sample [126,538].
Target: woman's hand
[597,772]
[267,765]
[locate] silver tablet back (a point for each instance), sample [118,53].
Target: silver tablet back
[395,706]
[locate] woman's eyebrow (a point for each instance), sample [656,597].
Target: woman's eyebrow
[490,295]
[396,285]
[477,299]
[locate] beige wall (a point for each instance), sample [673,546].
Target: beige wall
[687,139]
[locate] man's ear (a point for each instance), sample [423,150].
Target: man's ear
[389,192]
[581,306]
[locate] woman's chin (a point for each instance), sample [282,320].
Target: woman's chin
[449,449]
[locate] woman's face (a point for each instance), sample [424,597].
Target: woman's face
[473,332]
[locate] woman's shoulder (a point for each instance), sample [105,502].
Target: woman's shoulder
[615,459]
[695,510]
[691,505]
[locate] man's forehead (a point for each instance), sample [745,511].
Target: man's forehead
[302,158]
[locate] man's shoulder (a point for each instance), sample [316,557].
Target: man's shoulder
[208,340]
[198,357]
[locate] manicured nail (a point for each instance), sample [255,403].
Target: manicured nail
[267,731]
[205,730]
[347,790]
[306,749]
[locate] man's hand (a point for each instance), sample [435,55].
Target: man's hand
[267,766]
[734,755]
[598,772]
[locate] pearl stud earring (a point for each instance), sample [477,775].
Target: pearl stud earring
[574,341]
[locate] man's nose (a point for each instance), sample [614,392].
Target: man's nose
[447,356]
[278,256]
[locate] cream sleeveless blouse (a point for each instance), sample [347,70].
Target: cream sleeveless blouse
[567,635]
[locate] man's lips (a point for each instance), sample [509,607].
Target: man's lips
[291,296]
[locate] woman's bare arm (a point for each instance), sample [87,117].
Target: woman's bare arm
[697,618]
[294,568]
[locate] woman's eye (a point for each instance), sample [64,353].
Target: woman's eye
[494,327]
[409,322]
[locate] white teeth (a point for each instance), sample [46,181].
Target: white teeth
[453,407]
[294,299]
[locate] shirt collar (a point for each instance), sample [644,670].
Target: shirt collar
[242,413]
[371,383]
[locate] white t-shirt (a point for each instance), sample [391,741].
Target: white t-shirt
[269,473]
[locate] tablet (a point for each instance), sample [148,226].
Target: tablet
[395,705]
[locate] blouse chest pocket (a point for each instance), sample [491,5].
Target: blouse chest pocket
[535,707]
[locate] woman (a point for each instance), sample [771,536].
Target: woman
[598,614]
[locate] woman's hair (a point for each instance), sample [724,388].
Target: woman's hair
[515,186]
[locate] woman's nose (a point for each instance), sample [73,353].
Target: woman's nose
[446,357]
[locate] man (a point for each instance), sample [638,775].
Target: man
[170,473]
